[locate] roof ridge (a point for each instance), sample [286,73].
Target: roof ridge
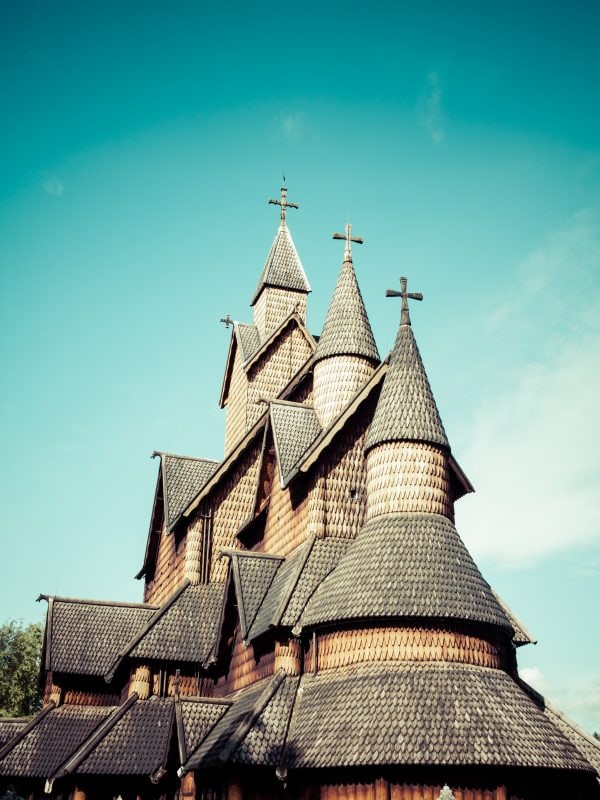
[282,607]
[162,453]
[148,627]
[91,602]
[23,733]
[94,739]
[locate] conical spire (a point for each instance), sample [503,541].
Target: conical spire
[406,409]
[283,268]
[347,330]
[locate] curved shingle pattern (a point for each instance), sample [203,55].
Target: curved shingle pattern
[406,409]
[347,330]
[443,714]
[406,566]
[283,268]
[295,428]
[183,478]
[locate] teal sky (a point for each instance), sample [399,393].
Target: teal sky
[138,146]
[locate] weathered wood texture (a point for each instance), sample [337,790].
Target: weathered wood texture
[79,697]
[408,476]
[286,524]
[355,646]
[140,681]
[169,570]
[274,305]
[288,656]
[245,668]
[336,382]
[382,790]
[236,415]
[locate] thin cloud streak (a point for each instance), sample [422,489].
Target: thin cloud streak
[53,186]
[430,114]
[535,443]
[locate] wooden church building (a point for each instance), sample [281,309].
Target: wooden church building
[312,625]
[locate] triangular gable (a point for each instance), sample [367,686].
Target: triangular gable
[136,742]
[253,730]
[196,717]
[244,339]
[253,574]
[295,428]
[183,629]
[50,739]
[83,637]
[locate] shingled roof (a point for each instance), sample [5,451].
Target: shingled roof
[136,744]
[411,565]
[183,629]
[423,713]
[84,637]
[295,582]
[10,727]
[50,739]
[295,428]
[183,477]
[248,339]
[283,268]
[253,574]
[347,330]
[195,719]
[406,409]
[253,730]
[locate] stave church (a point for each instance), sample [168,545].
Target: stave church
[312,625]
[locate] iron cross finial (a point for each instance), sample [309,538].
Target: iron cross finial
[227,320]
[349,239]
[404,315]
[283,203]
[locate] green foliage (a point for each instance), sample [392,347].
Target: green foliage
[10,794]
[20,650]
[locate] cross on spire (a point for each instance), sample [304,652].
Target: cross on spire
[349,239]
[404,315]
[227,320]
[283,203]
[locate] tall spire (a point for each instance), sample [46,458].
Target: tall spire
[406,410]
[347,330]
[283,268]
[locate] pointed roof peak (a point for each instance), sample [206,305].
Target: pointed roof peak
[406,409]
[347,330]
[283,268]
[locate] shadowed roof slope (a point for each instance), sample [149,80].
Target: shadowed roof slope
[9,728]
[409,713]
[347,330]
[295,428]
[196,717]
[406,408]
[85,636]
[50,739]
[410,565]
[283,268]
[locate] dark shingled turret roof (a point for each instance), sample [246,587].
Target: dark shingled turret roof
[406,409]
[347,330]
[283,268]
[409,565]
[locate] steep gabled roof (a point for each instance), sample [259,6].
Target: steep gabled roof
[50,739]
[294,583]
[411,565]
[253,574]
[254,728]
[406,409]
[136,742]
[295,428]
[84,637]
[422,713]
[183,477]
[195,719]
[183,629]
[347,330]
[283,268]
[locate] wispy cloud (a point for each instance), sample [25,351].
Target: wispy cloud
[577,699]
[293,125]
[534,444]
[52,185]
[429,109]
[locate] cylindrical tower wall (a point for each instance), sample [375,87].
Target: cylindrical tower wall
[336,381]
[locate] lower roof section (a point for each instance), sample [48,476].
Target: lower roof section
[423,714]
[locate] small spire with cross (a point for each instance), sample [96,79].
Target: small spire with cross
[349,239]
[227,320]
[404,315]
[283,202]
